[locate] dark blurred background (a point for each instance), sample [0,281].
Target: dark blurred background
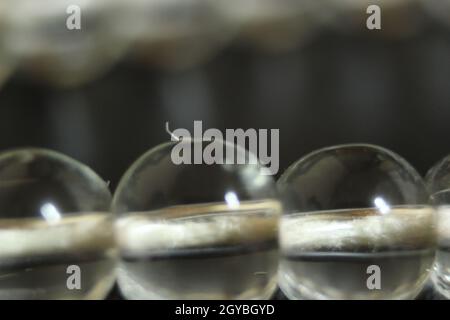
[332,87]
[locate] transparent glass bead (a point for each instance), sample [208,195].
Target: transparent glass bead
[56,234]
[359,226]
[196,231]
[438,182]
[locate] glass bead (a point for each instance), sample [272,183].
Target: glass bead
[196,231]
[358,226]
[56,231]
[438,182]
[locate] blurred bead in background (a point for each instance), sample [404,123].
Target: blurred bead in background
[6,64]
[271,25]
[172,33]
[439,9]
[178,34]
[36,32]
[399,18]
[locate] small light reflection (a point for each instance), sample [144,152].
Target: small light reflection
[382,206]
[50,213]
[232,200]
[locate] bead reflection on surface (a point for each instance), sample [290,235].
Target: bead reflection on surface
[54,214]
[36,32]
[354,206]
[438,182]
[196,231]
